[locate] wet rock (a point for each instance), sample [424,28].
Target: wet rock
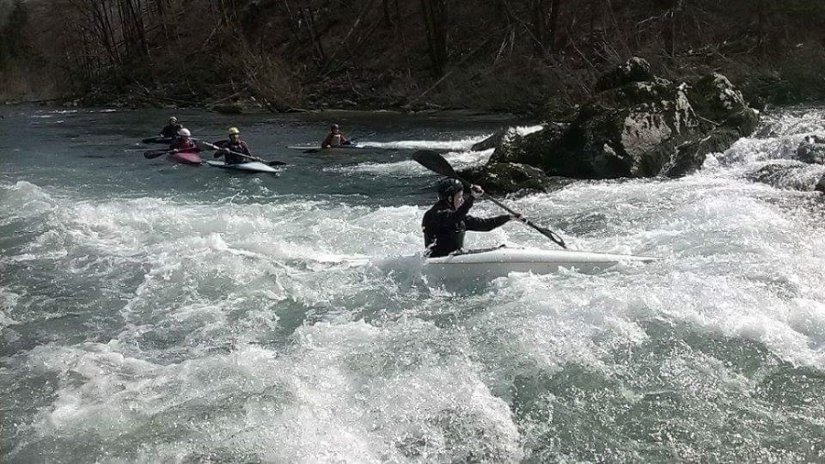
[716,100]
[691,155]
[637,125]
[789,175]
[820,186]
[634,93]
[634,70]
[812,150]
[628,140]
[502,178]
[528,149]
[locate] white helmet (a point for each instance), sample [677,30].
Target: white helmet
[184,133]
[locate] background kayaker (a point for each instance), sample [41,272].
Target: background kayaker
[184,143]
[335,138]
[234,144]
[171,130]
[446,222]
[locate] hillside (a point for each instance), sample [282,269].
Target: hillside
[537,56]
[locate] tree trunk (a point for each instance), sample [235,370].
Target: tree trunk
[435,17]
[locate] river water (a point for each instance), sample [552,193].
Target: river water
[153,312]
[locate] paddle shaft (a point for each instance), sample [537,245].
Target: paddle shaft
[151,154]
[253,158]
[546,232]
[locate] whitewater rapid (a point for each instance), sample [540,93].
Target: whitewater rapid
[150,321]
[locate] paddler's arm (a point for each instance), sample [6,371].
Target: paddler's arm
[245,150]
[454,217]
[220,151]
[486,224]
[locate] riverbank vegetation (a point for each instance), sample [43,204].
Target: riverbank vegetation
[537,56]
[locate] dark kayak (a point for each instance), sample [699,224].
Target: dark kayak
[158,139]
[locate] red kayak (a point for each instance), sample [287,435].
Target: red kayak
[186,158]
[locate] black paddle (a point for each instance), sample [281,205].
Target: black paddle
[151,154]
[436,163]
[253,158]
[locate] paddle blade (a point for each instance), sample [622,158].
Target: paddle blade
[434,162]
[151,154]
[549,234]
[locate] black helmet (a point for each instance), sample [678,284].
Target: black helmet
[449,187]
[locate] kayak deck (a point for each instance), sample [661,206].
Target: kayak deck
[250,167]
[159,139]
[186,158]
[499,262]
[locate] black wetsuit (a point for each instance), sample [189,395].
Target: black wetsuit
[170,131]
[238,147]
[444,226]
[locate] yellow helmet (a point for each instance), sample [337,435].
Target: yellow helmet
[234,131]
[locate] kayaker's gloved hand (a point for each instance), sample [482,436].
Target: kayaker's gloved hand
[476,191]
[517,216]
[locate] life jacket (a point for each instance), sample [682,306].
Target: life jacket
[444,227]
[336,140]
[187,145]
[238,147]
[171,130]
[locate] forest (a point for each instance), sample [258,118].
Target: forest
[522,56]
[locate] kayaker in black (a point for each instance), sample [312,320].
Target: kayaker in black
[171,129]
[446,222]
[234,144]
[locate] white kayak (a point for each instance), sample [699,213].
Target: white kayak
[499,262]
[252,166]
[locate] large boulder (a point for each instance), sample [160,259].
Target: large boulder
[502,178]
[636,125]
[514,147]
[717,101]
[634,70]
[691,155]
[632,131]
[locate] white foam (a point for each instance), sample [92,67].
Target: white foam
[252,331]
[452,145]
[459,160]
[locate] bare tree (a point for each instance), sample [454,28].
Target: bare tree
[435,17]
